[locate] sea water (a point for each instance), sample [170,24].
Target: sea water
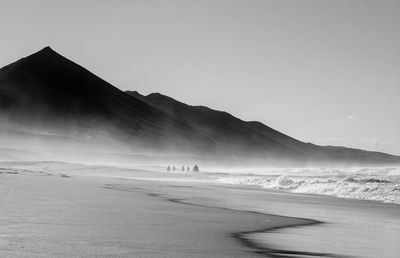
[379,184]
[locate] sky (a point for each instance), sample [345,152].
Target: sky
[326,72]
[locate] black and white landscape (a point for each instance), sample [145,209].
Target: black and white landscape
[58,103]
[91,167]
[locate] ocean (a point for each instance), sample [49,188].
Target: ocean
[378,184]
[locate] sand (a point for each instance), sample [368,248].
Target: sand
[53,209]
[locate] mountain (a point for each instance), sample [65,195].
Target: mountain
[254,139]
[48,97]
[46,88]
[224,128]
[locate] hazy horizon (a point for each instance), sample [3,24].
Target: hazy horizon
[322,72]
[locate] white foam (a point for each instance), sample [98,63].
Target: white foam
[379,184]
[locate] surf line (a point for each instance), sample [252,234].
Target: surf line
[242,237]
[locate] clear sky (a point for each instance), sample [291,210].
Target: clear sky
[326,72]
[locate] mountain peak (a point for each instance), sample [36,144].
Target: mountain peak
[47,52]
[48,48]
[42,58]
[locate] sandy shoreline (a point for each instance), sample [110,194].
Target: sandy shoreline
[275,222]
[66,210]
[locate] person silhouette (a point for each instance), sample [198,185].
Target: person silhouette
[188,169]
[195,168]
[168,168]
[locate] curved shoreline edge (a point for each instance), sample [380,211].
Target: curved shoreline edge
[279,253]
[259,249]
[242,237]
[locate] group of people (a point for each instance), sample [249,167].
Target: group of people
[194,169]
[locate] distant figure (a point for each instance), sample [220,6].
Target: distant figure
[173,168]
[188,169]
[195,168]
[168,168]
[183,168]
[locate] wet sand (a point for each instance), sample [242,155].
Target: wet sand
[64,210]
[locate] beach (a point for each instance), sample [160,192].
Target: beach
[51,209]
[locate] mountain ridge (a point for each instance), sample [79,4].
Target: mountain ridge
[173,106]
[48,89]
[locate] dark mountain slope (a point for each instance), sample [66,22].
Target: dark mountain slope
[47,88]
[230,131]
[256,139]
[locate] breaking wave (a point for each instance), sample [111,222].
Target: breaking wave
[383,185]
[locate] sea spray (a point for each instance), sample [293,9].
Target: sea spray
[378,184]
